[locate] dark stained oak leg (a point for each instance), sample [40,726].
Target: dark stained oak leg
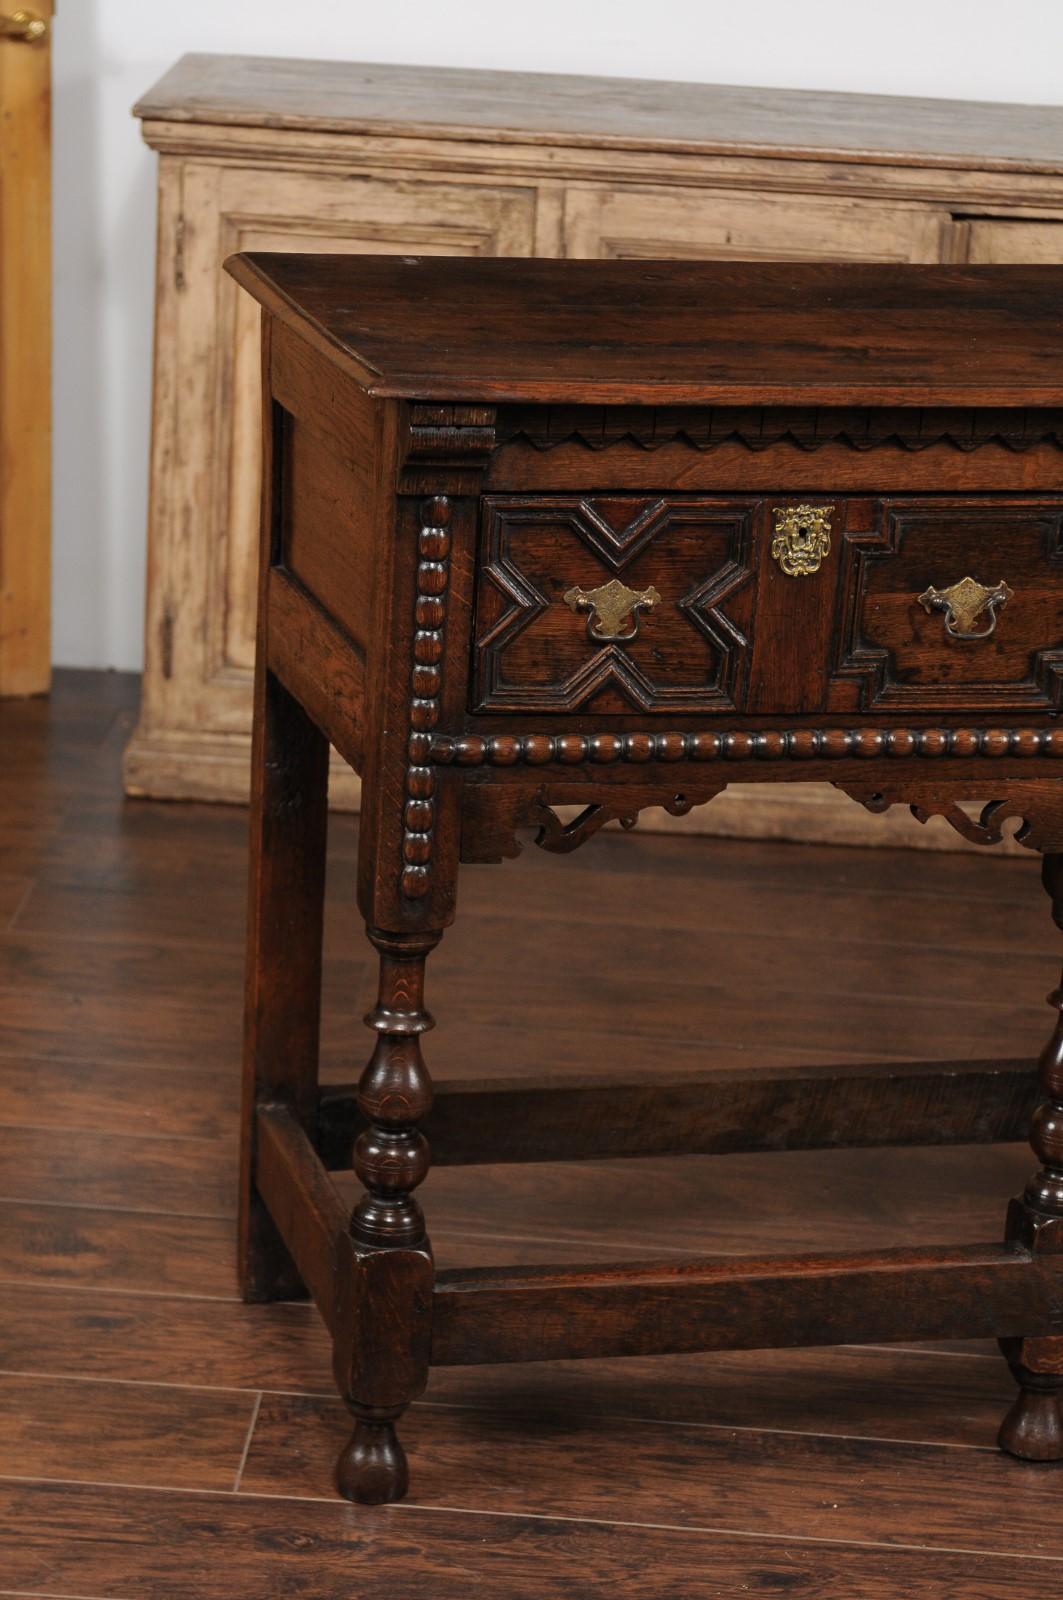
[284,934]
[1033,1428]
[286,888]
[372,1465]
[382,1362]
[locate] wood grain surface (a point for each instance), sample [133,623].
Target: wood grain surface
[660,332]
[25,361]
[158,1437]
[541,108]
[103,1543]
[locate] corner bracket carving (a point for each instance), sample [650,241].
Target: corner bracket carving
[562,837]
[493,815]
[1036,806]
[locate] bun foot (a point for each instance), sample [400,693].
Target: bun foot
[372,1467]
[1033,1428]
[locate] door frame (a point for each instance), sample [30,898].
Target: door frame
[25,357]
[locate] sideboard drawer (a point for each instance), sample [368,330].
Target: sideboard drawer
[614,603]
[954,603]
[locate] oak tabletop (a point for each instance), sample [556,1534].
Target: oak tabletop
[460,329]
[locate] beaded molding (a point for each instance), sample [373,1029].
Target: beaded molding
[426,681]
[796,744]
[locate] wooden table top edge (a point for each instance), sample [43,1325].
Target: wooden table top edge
[403,382]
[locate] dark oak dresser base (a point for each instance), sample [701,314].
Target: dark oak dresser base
[540,536]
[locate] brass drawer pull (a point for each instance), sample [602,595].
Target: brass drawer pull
[24,26]
[963,603]
[802,538]
[609,607]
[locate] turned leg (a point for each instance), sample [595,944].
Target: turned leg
[382,1354]
[1033,1428]
[284,931]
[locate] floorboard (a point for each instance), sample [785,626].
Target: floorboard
[866,1490]
[177,1437]
[99,1543]
[144,1253]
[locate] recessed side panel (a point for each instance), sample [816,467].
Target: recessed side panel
[331,493]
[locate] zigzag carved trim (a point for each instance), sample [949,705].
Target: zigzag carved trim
[761,427]
[794,744]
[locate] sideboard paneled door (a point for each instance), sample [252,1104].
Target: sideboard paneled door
[290,177]
[1003,240]
[627,223]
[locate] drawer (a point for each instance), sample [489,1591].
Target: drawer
[953,602]
[703,604]
[614,603]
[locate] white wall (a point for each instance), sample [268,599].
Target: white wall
[107,52]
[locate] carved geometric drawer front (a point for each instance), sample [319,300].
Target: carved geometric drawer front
[615,602]
[954,603]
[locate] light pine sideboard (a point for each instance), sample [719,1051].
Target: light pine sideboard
[273,154]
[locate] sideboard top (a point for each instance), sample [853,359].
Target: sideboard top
[473,329]
[628,113]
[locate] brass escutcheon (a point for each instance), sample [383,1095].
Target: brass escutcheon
[963,603]
[802,538]
[609,607]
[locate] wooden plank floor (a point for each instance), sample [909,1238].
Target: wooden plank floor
[161,1441]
